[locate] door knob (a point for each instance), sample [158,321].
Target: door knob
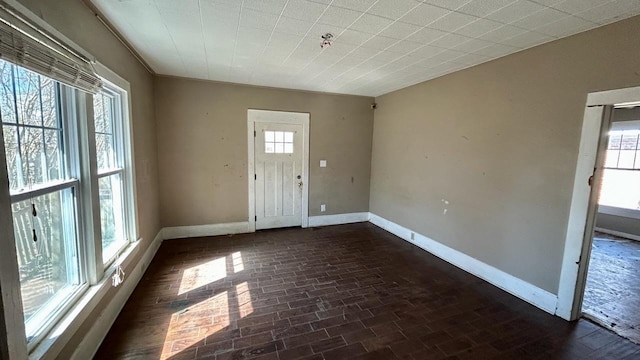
[300,184]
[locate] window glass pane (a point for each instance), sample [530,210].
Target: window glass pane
[620,189]
[111,215]
[269,136]
[49,265]
[105,139]
[108,114]
[288,136]
[103,113]
[33,156]
[49,103]
[288,148]
[53,151]
[614,141]
[27,90]
[279,136]
[611,159]
[98,113]
[269,148]
[629,141]
[33,144]
[7,100]
[637,164]
[626,159]
[13,163]
[279,148]
[104,151]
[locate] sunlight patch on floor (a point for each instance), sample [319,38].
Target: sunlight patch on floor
[191,326]
[244,299]
[238,265]
[203,274]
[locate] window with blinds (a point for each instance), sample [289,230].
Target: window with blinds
[69,167]
[22,43]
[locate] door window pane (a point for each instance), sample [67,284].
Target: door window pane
[48,262]
[278,142]
[269,136]
[111,215]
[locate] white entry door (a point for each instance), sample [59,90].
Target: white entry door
[279,181]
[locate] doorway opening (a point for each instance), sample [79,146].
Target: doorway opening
[612,291]
[278,169]
[600,162]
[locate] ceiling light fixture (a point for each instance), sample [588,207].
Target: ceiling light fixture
[326,40]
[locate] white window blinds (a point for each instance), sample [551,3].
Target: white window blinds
[24,44]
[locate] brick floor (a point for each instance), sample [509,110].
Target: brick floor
[339,292]
[612,294]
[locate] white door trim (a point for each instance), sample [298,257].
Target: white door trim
[267,116]
[581,220]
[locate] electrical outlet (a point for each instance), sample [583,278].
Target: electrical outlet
[323,208]
[323,163]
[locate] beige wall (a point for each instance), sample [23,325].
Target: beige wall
[499,143]
[78,23]
[202,148]
[618,223]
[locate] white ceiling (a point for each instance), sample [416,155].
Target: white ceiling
[379,45]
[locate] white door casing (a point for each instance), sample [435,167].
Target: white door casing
[278,153]
[583,209]
[278,175]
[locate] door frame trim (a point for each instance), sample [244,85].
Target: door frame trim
[581,222]
[268,116]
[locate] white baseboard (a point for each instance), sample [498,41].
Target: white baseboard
[92,340]
[181,232]
[324,220]
[509,283]
[618,233]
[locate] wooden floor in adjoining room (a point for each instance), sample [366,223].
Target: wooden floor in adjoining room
[612,294]
[339,292]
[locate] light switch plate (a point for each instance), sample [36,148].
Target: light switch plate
[323,163]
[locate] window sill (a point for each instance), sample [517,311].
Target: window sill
[60,334]
[616,211]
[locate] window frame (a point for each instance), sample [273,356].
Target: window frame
[617,210]
[121,131]
[78,148]
[130,193]
[39,322]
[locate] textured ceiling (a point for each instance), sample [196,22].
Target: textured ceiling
[379,45]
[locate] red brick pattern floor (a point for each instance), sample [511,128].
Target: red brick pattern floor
[612,294]
[339,292]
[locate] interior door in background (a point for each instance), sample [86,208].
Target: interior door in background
[279,175]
